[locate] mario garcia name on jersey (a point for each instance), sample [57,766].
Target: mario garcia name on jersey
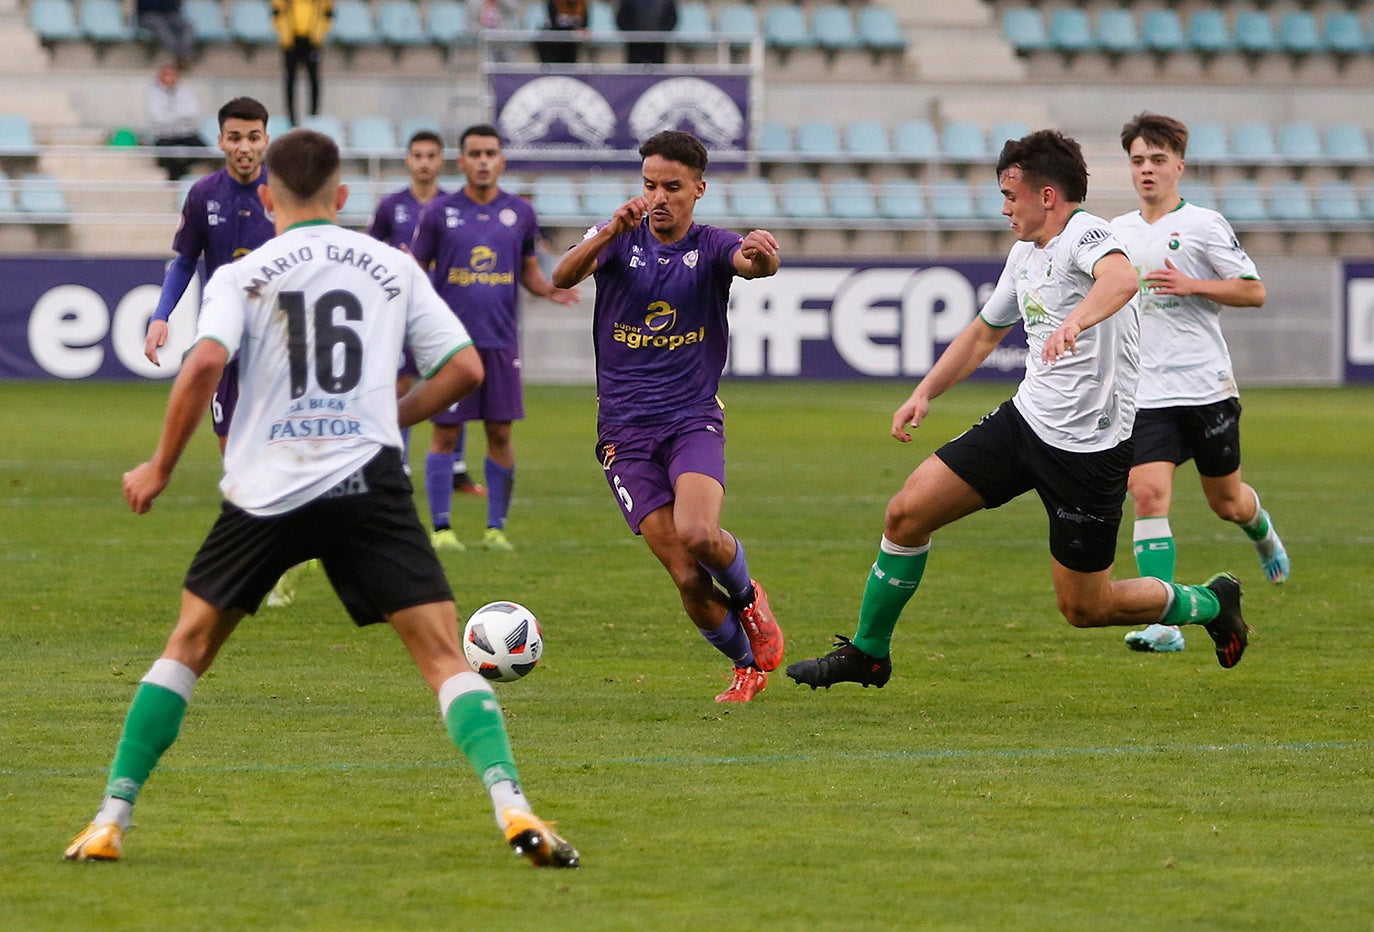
[318,317]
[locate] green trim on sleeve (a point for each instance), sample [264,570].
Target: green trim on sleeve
[453,352]
[996,326]
[1250,278]
[212,339]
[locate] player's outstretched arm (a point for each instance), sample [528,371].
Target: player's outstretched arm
[532,277]
[455,380]
[956,363]
[1232,292]
[580,261]
[179,275]
[1115,284]
[757,256]
[191,394]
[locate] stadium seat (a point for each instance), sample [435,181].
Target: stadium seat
[917,140]
[331,126]
[53,21]
[374,134]
[833,28]
[1243,202]
[1291,202]
[7,203]
[40,195]
[1200,193]
[1207,143]
[1002,131]
[446,23]
[753,198]
[1162,31]
[900,199]
[952,200]
[353,26]
[1208,32]
[784,27]
[803,199]
[535,17]
[987,201]
[693,22]
[1367,203]
[819,139]
[1345,142]
[555,197]
[250,23]
[603,196]
[1024,30]
[1337,201]
[1343,33]
[774,138]
[362,201]
[1116,31]
[412,125]
[852,199]
[1254,33]
[961,141]
[1300,142]
[879,29]
[16,135]
[867,139]
[1070,31]
[277,124]
[1253,142]
[398,22]
[103,21]
[207,20]
[601,20]
[738,21]
[1298,33]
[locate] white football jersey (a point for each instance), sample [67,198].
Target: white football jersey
[1183,358]
[1085,402]
[318,317]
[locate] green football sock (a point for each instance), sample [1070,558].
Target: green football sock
[1154,548]
[891,583]
[475,724]
[149,729]
[1192,605]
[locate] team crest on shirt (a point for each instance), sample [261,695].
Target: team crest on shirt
[690,260]
[1174,241]
[507,217]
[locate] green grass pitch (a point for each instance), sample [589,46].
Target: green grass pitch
[1015,774]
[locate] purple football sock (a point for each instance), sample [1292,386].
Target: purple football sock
[439,487]
[734,579]
[500,480]
[731,641]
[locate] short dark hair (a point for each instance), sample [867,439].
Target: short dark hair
[1047,157]
[676,146]
[243,108]
[426,135]
[477,129]
[1157,130]
[303,161]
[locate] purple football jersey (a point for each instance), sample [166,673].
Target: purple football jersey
[660,327]
[475,254]
[396,217]
[223,220]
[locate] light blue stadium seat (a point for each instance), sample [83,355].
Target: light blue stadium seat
[1291,202]
[1337,201]
[803,199]
[774,137]
[103,21]
[962,141]
[818,138]
[987,201]
[362,201]
[412,125]
[446,22]
[784,27]
[1345,142]
[250,22]
[555,197]
[373,134]
[900,199]
[207,20]
[331,126]
[852,199]
[693,21]
[916,139]
[1024,30]
[1002,131]
[1298,33]
[601,20]
[1367,203]
[753,198]
[16,135]
[833,27]
[54,21]
[1207,143]
[1243,202]
[1254,33]
[602,197]
[867,139]
[398,23]
[7,202]
[879,29]
[1208,32]
[1253,142]
[1300,142]
[277,124]
[952,200]
[738,21]
[353,26]
[1162,31]
[535,17]
[1116,31]
[1344,34]
[1070,31]
[40,195]
[1201,193]
[209,128]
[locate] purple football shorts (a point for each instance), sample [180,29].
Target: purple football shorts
[499,398]
[643,461]
[226,399]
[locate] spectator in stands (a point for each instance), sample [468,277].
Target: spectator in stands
[173,118]
[646,16]
[494,14]
[302,26]
[163,18]
[564,16]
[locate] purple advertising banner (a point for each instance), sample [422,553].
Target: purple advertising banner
[1358,296]
[877,320]
[545,118]
[86,318]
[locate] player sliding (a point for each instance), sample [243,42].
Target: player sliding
[1066,433]
[318,327]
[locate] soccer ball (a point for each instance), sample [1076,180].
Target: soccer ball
[502,641]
